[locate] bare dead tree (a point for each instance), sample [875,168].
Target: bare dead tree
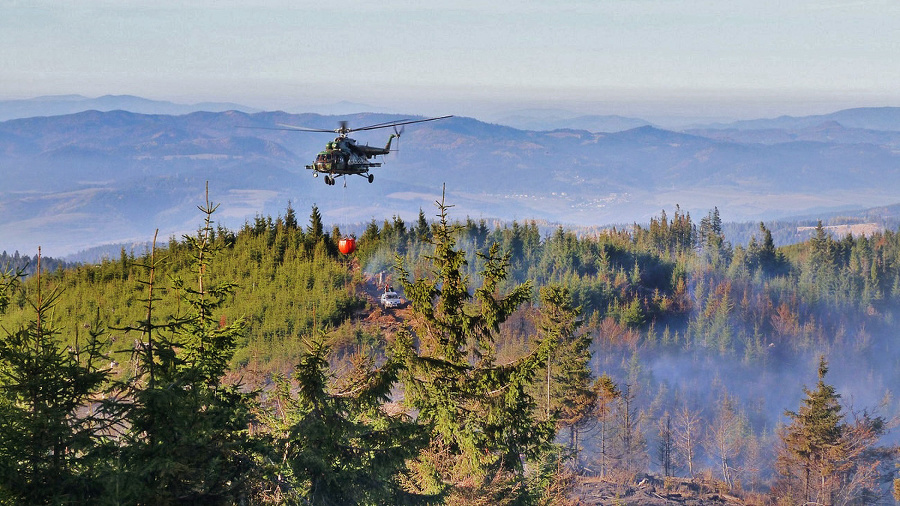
[686,435]
[665,447]
[861,466]
[725,437]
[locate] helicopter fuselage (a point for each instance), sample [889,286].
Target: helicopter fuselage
[338,162]
[344,156]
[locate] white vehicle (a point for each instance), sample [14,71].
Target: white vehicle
[391,299]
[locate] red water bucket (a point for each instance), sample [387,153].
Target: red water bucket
[347,245]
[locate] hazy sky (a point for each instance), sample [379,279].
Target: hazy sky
[694,57]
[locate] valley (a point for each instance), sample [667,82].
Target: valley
[138,172]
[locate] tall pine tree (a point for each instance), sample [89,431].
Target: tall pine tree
[51,438]
[567,394]
[335,442]
[811,443]
[187,435]
[480,413]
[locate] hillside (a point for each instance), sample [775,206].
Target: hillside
[675,330]
[82,180]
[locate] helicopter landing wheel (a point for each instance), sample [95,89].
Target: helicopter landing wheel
[371,178]
[329,181]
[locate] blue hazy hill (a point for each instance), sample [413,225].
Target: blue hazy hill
[81,180]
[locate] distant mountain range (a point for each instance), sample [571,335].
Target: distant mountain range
[828,132]
[80,180]
[58,105]
[866,118]
[542,120]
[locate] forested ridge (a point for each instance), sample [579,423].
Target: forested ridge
[238,366]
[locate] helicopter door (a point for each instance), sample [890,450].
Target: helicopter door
[336,160]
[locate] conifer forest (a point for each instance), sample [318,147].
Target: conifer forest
[255,366]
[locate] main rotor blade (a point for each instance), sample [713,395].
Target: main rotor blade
[398,123]
[304,129]
[343,127]
[385,124]
[290,128]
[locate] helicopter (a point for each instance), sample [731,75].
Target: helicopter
[344,156]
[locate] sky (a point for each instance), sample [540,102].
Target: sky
[699,58]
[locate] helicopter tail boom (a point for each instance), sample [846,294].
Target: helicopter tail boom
[387,147]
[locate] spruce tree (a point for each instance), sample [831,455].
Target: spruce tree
[290,218]
[768,256]
[335,442]
[813,438]
[50,436]
[567,396]
[423,229]
[479,412]
[9,280]
[315,230]
[187,430]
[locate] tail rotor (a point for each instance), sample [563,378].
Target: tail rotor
[397,135]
